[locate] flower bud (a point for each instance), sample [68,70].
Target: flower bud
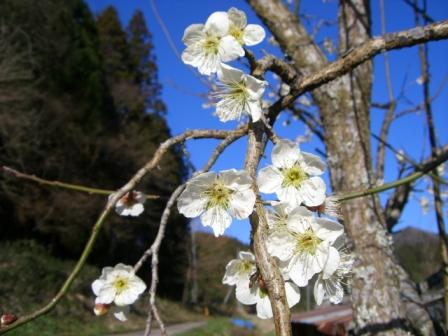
[101,309]
[7,319]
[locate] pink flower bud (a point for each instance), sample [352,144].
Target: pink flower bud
[7,319]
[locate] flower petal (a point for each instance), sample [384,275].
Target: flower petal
[246,256]
[253,34]
[327,229]
[218,219]
[285,154]
[237,17]
[242,203]
[319,291]
[245,294]
[254,110]
[312,191]
[230,49]
[332,262]
[264,309]
[229,75]
[255,86]
[120,313]
[217,24]
[269,180]
[313,164]
[96,286]
[193,34]
[281,244]
[236,179]
[292,293]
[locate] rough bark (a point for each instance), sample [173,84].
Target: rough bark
[344,110]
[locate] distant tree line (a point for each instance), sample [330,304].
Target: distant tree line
[80,102]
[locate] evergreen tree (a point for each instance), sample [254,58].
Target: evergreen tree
[85,122]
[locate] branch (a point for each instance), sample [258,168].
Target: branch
[63,185]
[406,180]
[154,249]
[130,185]
[396,203]
[359,55]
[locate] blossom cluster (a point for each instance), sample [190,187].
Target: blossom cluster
[304,234]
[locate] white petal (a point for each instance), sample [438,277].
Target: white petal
[123,267]
[269,180]
[313,164]
[231,277]
[254,110]
[331,263]
[285,154]
[242,203]
[106,294]
[304,266]
[337,293]
[255,86]
[137,285]
[229,75]
[236,179]
[327,229]
[217,218]
[253,34]
[246,256]
[193,34]
[230,49]
[96,286]
[300,219]
[125,298]
[246,295]
[281,244]
[120,314]
[237,17]
[290,195]
[292,294]
[312,191]
[264,309]
[217,24]
[191,203]
[319,291]
[229,109]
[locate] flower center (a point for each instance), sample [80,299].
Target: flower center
[211,45]
[218,195]
[294,176]
[308,242]
[237,33]
[120,285]
[245,266]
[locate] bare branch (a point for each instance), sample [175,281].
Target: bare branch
[397,201]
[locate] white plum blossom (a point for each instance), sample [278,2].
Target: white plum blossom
[210,44]
[294,176]
[131,204]
[305,247]
[238,270]
[253,291]
[245,34]
[329,282]
[216,198]
[118,285]
[250,288]
[238,94]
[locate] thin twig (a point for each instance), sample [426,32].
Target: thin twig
[63,185]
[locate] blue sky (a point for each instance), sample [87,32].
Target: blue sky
[182,89]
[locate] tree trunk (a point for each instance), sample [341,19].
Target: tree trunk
[344,106]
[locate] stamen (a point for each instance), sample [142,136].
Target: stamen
[293,176]
[307,242]
[218,195]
